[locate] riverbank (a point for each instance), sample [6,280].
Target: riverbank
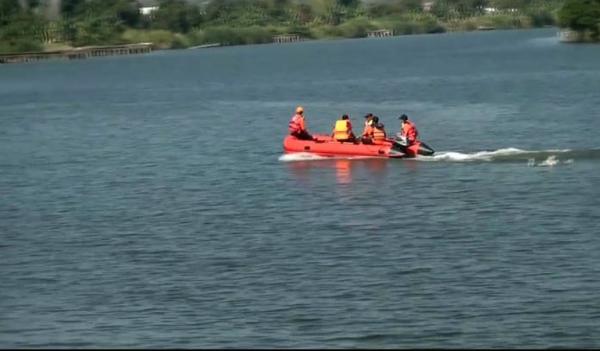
[566,35]
[77,53]
[360,27]
[179,24]
[159,40]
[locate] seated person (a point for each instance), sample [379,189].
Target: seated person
[297,125]
[408,130]
[368,121]
[375,133]
[342,131]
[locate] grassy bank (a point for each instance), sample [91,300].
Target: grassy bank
[178,24]
[355,28]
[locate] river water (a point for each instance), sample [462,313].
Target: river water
[145,201]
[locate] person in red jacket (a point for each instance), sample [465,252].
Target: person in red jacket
[297,127]
[409,131]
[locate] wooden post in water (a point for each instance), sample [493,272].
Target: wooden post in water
[286,38]
[380,33]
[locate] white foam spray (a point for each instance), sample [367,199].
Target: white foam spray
[452,156]
[306,156]
[300,156]
[551,161]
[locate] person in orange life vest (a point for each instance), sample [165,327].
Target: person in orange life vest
[368,119]
[408,130]
[297,127]
[343,130]
[375,132]
[378,132]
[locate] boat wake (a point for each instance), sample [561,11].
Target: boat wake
[539,158]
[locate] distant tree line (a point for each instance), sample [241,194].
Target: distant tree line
[24,26]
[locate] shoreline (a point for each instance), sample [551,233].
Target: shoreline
[77,53]
[147,47]
[570,36]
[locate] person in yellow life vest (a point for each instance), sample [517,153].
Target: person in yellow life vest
[343,130]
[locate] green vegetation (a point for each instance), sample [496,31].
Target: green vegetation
[582,16]
[29,25]
[19,27]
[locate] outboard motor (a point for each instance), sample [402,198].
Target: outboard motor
[418,148]
[400,144]
[401,140]
[425,149]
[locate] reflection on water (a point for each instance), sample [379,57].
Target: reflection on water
[411,165]
[343,169]
[343,172]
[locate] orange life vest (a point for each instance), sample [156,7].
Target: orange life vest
[342,129]
[409,131]
[378,132]
[296,124]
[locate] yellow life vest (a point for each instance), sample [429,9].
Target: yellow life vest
[341,131]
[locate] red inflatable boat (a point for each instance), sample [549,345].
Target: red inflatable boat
[327,146]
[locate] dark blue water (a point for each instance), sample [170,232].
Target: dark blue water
[145,201]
